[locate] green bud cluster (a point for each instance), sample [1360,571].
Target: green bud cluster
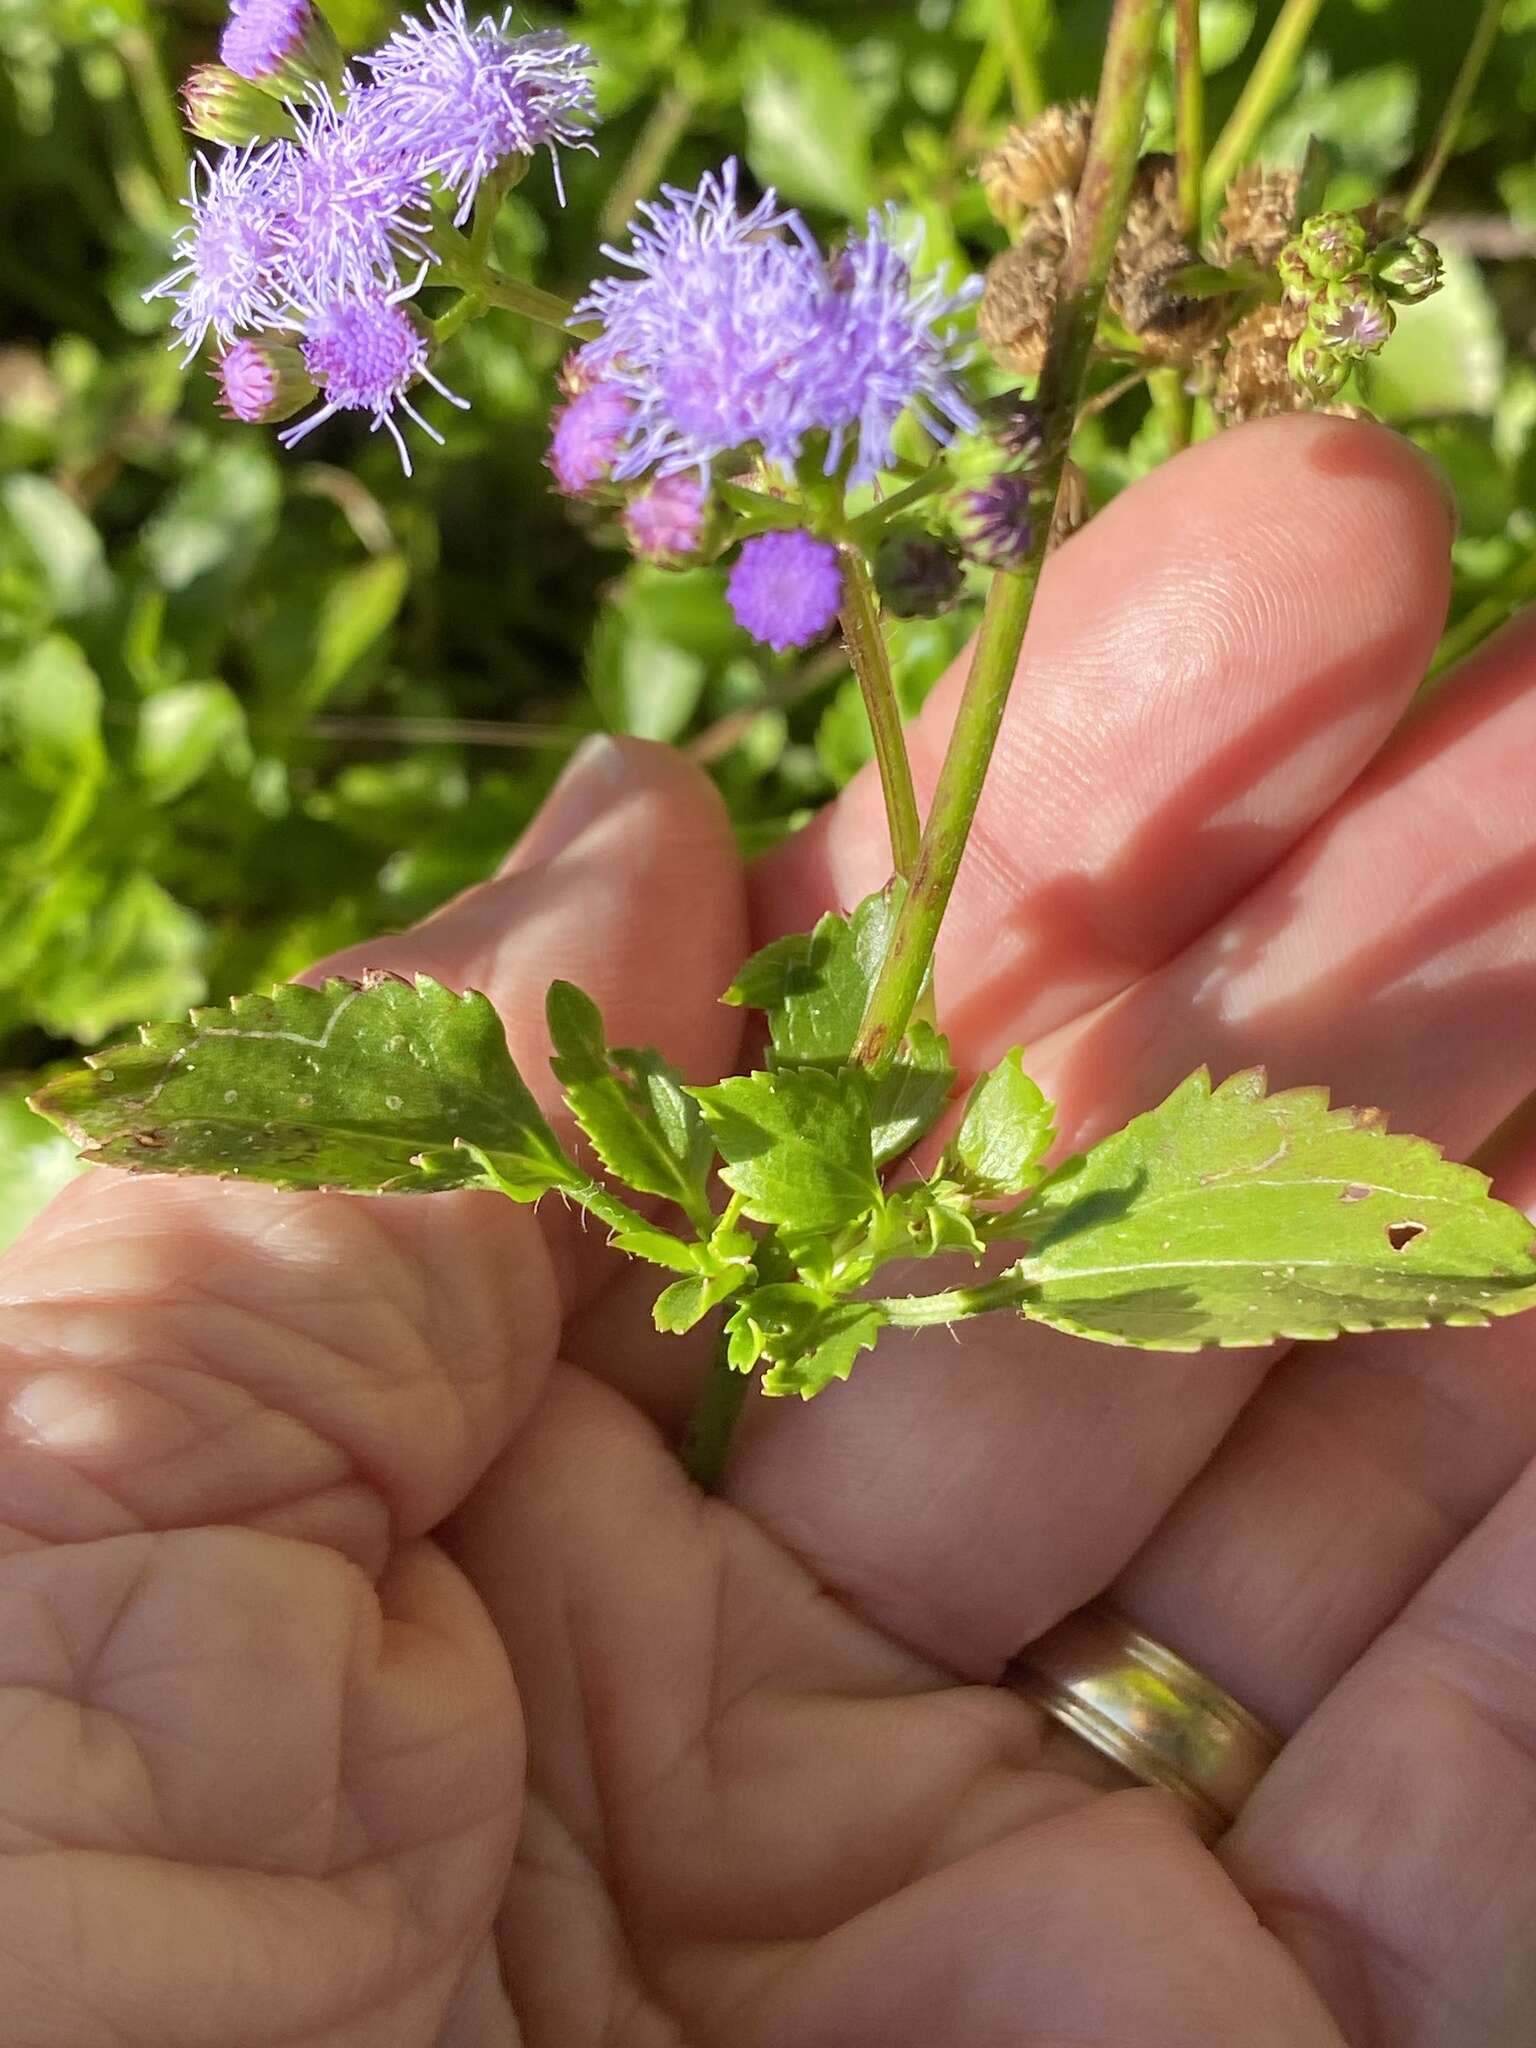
[1349,286]
[221,106]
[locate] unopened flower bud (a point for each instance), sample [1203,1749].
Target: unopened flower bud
[1333,244]
[1320,371]
[1037,163]
[994,522]
[664,522]
[1353,315]
[1409,269]
[590,429]
[284,46]
[917,575]
[1018,427]
[1295,274]
[221,106]
[261,382]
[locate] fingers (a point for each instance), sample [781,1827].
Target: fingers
[1393,1845]
[241,1781]
[1209,664]
[179,1352]
[1385,957]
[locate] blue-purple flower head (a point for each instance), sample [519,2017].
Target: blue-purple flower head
[735,332]
[785,588]
[589,432]
[468,96]
[358,207]
[262,39]
[232,271]
[364,352]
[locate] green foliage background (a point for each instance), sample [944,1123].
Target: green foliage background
[253,706]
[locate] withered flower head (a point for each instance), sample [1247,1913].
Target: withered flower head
[1038,163]
[1257,217]
[1151,251]
[1255,378]
[1014,315]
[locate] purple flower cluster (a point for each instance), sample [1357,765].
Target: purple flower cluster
[319,239]
[735,332]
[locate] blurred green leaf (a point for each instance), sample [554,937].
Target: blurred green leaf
[35,1162]
[806,130]
[183,732]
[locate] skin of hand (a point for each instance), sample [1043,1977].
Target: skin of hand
[370,1676]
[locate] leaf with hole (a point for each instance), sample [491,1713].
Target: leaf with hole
[1234,1217]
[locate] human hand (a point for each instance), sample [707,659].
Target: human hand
[370,1674]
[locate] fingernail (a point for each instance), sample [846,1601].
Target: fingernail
[588,785]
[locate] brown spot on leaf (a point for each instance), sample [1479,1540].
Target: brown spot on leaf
[1401,1235]
[1355,1192]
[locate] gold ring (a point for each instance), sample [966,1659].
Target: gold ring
[1153,1714]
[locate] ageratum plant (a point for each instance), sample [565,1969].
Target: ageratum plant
[812,420]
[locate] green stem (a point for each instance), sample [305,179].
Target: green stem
[514,295]
[1100,214]
[663,130]
[1175,407]
[914,1311]
[1474,627]
[468,306]
[871,524]
[1024,82]
[157,107]
[713,1422]
[1479,50]
[1189,96]
[1267,80]
[977,102]
[867,651]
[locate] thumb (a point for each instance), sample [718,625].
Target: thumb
[180,1352]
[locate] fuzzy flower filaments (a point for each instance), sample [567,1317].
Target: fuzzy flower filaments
[232,252]
[469,95]
[734,332]
[261,37]
[358,205]
[364,354]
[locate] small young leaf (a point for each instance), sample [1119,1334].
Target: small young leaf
[925,1218]
[814,986]
[910,1092]
[643,1125]
[686,1302]
[1228,1216]
[833,1342]
[797,1145]
[1006,1130]
[378,1087]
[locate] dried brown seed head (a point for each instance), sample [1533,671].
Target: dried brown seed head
[1255,379]
[1019,296]
[1257,217]
[1151,251]
[1035,164]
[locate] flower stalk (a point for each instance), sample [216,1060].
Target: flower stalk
[867,651]
[1267,80]
[1103,193]
[1189,116]
[1473,65]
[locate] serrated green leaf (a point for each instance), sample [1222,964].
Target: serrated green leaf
[378,1086]
[1229,1216]
[642,1123]
[1006,1130]
[797,1145]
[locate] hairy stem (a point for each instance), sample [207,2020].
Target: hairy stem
[867,651]
[1479,50]
[1175,407]
[1189,98]
[1100,214]
[713,1422]
[914,1311]
[1267,80]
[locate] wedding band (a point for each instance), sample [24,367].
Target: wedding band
[1153,1714]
